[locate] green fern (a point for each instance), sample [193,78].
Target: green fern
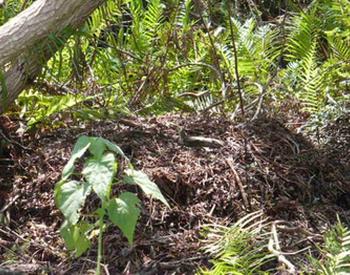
[146,25]
[240,248]
[311,81]
[45,106]
[340,48]
[257,49]
[12,7]
[335,252]
[183,20]
[303,35]
[319,44]
[153,18]
[139,62]
[302,49]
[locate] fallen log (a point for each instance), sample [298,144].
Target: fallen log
[24,44]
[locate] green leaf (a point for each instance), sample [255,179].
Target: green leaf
[147,186]
[124,213]
[99,173]
[75,237]
[70,197]
[79,150]
[113,147]
[50,105]
[97,147]
[67,233]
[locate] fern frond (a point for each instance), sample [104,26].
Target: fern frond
[340,48]
[311,80]
[257,49]
[12,8]
[303,34]
[240,248]
[152,18]
[336,252]
[183,20]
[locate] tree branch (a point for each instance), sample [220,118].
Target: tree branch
[27,66]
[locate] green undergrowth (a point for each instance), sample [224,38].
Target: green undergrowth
[98,176]
[250,246]
[155,57]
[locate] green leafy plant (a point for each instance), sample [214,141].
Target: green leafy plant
[10,8]
[98,176]
[318,55]
[48,105]
[158,56]
[335,252]
[239,249]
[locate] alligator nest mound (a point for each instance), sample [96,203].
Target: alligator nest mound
[242,168]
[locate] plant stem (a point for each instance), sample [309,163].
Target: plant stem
[241,103]
[100,245]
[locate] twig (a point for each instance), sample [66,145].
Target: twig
[282,226]
[105,268]
[215,56]
[214,69]
[6,206]
[10,232]
[235,58]
[239,182]
[14,142]
[199,141]
[176,263]
[263,89]
[277,251]
[53,88]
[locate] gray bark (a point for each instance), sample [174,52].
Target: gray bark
[29,30]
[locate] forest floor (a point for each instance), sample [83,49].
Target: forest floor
[263,165]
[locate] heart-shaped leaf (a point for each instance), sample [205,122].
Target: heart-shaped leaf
[70,197]
[79,150]
[124,213]
[99,172]
[75,237]
[147,186]
[114,148]
[97,147]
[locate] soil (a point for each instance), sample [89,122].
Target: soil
[304,182]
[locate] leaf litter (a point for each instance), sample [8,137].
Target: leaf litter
[259,165]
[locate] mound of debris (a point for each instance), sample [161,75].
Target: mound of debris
[210,170]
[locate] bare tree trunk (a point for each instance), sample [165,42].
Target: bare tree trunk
[30,30]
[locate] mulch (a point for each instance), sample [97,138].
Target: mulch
[263,165]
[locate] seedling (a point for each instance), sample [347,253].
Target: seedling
[98,176]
